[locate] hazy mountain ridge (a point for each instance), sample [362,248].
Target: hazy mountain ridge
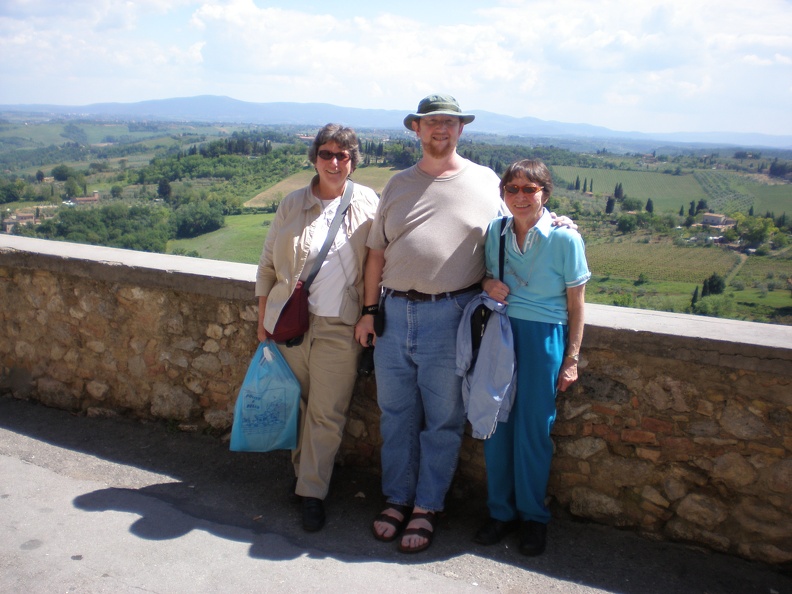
[212,108]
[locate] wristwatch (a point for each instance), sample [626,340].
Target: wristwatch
[575,357]
[371,310]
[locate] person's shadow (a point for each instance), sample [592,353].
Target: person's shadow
[167,512]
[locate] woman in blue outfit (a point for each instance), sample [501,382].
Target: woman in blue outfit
[545,274]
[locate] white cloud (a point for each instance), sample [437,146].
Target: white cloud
[627,65]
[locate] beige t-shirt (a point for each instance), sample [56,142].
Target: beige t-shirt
[433,228]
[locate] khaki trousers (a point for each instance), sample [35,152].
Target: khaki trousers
[325,364]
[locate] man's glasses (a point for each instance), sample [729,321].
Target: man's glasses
[441,122]
[528,190]
[328,156]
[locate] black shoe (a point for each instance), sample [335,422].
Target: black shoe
[533,537]
[313,514]
[493,531]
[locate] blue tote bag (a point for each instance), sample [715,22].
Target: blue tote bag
[266,411]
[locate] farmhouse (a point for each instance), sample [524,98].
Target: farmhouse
[20,218]
[717,220]
[87,199]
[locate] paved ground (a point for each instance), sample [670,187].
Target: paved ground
[118,506]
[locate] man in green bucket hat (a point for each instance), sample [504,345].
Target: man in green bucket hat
[425,263]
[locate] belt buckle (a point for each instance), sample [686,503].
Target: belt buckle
[414,295]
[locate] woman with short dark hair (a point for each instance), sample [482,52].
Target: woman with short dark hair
[326,360]
[545,274]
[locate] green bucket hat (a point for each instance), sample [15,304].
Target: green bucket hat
[438,105]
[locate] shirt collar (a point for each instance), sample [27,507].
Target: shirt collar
[543,225]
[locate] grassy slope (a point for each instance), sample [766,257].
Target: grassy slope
[240,240]
[373,177]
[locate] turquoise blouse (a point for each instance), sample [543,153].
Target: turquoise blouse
[552,260]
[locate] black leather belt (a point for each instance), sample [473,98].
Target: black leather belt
[413,295]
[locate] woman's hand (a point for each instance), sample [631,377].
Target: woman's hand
[563,221]
[496,289]
[568,374]
[364,330]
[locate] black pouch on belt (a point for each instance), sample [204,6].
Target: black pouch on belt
[379,319]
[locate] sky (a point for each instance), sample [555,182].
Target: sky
[628,65]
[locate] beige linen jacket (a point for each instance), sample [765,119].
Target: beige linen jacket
[289,239]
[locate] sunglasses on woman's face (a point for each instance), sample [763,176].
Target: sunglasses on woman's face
[328,156]
[528,190]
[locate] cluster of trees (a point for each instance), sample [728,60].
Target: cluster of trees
[217,160]
[143,227]
[75,134]
[627,204]
[74,180]
[14,189]
[779,169]
[587,187]
[694,208]
[713,285]
[755,231]
[238,144]
[372,150]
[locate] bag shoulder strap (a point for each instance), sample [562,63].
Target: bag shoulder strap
[502,249]
[346,200]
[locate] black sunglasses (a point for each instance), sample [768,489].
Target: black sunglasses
[527,190]
[328,156]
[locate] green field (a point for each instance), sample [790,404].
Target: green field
[775,198]
[241,240]
[668,192]
[660,261]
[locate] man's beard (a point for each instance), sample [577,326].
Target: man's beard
[438,153]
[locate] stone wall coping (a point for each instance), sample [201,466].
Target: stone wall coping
[195,275]
[689,326]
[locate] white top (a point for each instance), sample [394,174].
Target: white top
[337,271]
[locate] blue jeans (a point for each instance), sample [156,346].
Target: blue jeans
[420,396]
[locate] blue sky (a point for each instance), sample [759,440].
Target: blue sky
[649,66]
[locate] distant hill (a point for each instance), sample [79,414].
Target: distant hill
[211,108]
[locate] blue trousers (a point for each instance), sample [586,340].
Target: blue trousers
[519,453]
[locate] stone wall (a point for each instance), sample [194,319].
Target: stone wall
[679,428]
